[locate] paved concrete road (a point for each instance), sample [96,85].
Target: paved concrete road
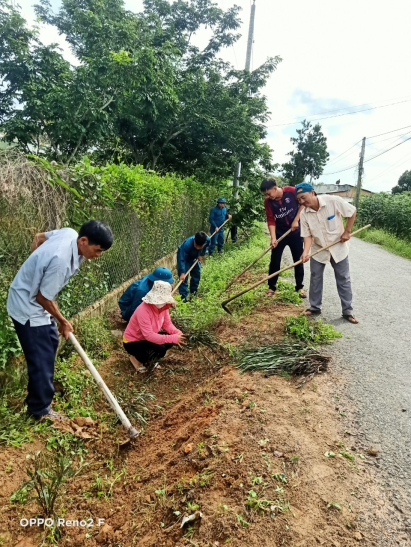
[375,355]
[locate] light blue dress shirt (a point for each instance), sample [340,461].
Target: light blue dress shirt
[47,270]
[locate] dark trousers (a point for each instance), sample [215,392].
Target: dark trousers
[296,244]
[194,276]
[145,351]
[217,239]
[233,232]
[39,346]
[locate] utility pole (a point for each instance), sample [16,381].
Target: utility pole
[360,173]
[250,38]
[237,173]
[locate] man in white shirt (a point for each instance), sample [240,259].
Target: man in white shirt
[55,257]
[322,224]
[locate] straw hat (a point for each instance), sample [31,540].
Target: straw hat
[160,294]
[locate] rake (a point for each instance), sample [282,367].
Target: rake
[224,304]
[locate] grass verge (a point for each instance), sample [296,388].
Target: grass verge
[389,242]
[201,312]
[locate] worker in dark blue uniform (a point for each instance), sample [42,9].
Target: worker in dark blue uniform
[133,296]
[218,215]
[188,252]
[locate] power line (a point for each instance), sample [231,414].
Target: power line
[386,133]
[343,153]
[390,138]
[369,159]
[396,164]
[338,115]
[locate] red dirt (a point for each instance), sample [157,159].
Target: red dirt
[214,436]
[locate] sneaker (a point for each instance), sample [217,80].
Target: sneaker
[53,415]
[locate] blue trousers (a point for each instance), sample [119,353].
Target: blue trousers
[218,239]
[195,276]
[39,346]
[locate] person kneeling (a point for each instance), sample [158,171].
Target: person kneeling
[142,340]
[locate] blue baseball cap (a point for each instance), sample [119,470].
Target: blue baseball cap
[161,274]
[221,200]
[303,187]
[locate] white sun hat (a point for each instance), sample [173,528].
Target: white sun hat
[160,295]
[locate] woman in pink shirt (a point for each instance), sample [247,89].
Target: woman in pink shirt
[142,340]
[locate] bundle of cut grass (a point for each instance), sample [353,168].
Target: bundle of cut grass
[286,358]
[195,336]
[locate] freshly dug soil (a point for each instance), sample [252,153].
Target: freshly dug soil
[256,461]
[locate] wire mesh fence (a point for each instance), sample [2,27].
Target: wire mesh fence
[29,204]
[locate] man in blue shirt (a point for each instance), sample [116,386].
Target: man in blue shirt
[133,296]
[188,252]
[55,257]
[218,215]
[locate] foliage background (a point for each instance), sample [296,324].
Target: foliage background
[391,213]
[150,216]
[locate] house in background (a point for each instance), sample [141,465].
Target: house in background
[346,191]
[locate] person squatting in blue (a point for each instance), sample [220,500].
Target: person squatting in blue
[133,296]
[188,252]
[218,215]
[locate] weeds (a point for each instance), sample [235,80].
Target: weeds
[95,336]
[48,473]
[286,293]
[309,332]
[202,312]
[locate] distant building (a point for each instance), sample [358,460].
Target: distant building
[346,191]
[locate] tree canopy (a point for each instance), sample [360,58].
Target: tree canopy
[404,183]
[142,91]
[310,154]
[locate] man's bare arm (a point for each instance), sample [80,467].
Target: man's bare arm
[347,232]
[38,240]
[272,231]
[51,307]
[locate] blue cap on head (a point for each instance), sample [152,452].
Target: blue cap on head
[303,187]
[161,274]
[221,200]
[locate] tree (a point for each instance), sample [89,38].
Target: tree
[310,155]
[141,93]
[404,183]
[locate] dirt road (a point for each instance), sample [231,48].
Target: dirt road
[375,359]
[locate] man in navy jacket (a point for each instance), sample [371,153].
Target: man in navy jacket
[283,212]
[218,215]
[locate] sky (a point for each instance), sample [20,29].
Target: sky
[338,57]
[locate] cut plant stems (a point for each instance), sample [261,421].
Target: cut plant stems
[285,358]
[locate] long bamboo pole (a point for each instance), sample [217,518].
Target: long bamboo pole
[224,304]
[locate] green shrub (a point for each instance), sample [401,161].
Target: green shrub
[311,332]
[9,344]
[388,212]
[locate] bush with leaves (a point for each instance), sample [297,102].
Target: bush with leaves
[391,213]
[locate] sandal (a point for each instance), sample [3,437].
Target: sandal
[302,293]
[309,313]
[351,319]
[270,292]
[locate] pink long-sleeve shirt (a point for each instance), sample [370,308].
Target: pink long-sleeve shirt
[147,321]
